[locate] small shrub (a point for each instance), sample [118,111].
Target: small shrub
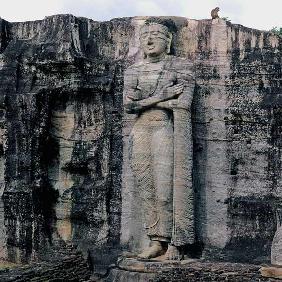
[226,19]
[277,30]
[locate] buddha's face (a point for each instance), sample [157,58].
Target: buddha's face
[155,40]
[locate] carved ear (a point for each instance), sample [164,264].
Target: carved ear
[169,41]
[144,55]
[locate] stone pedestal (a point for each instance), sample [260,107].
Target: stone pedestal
[130,269]
[272,272]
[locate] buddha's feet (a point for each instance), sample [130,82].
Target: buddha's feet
[155,250]
[173,253]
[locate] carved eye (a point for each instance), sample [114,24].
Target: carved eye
[155,34]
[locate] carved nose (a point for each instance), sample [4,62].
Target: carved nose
[149,41]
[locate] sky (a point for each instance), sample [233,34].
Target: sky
[258,14]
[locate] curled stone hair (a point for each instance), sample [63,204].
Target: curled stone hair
[165,22]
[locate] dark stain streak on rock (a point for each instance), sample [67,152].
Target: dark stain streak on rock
[61,138]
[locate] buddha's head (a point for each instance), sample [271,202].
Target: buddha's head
[155,39]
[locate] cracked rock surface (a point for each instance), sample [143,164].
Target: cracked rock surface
[63,137]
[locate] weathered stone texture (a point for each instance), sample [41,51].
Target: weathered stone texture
[63,96]
[237,155]
[68,268]
[61,91]
[185,271]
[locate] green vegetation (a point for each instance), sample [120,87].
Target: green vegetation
[277,30]
[226,19]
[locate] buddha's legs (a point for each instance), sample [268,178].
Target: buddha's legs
[162,161]
[141,162]
[152,164]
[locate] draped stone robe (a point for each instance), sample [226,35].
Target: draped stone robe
[161,149]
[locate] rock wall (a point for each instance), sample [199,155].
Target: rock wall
[61,114]
[63,150]
[68,268]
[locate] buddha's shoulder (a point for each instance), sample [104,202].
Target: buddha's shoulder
[136,66]
[182,66]
[134,69]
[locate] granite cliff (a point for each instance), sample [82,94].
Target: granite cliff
[62,128]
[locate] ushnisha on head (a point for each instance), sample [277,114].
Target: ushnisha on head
[155,40]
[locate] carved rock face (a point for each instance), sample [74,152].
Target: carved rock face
[154,40]
[62,60]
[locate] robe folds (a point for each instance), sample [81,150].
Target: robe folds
[161,149]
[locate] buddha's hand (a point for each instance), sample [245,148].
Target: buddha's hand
[132,107]
[173,103]
[171,91]
[170,104]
